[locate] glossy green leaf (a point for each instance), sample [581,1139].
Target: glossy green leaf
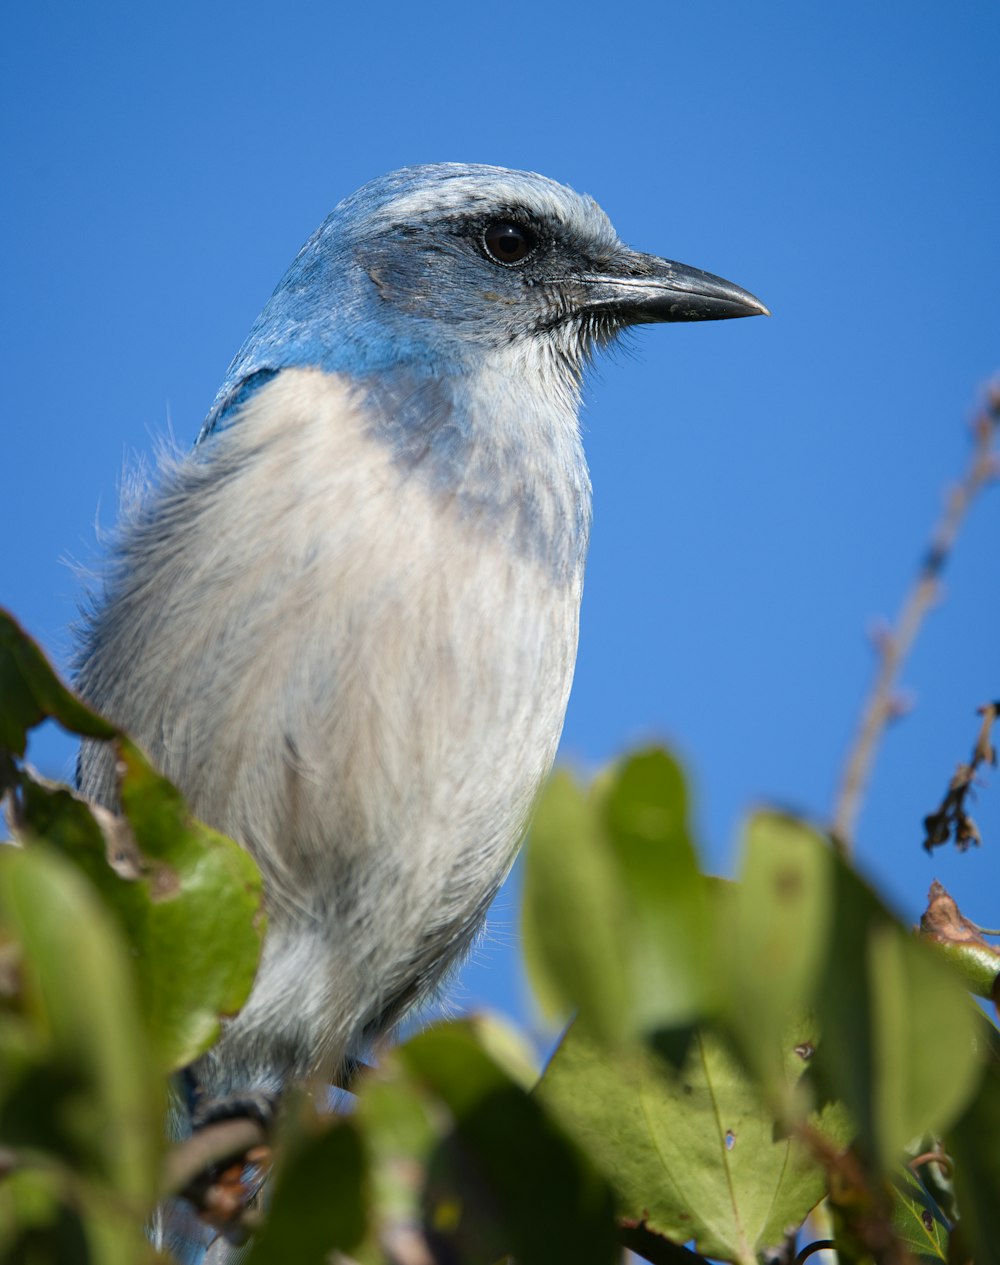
[200,919]
[978,966]
[694,1154]
[188,899]
[30,692]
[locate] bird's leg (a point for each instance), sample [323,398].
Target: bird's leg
[258,1105]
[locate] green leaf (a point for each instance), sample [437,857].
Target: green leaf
[35,1224]
[93,1100]
[465,1152]
[419,1174]
[188,899]
[30,692]
[616,916]
[200,918]
[402,1129]
[899,1042]
[917,1220]
[957,938]
[778,920]
[978,966]
[897,1032]
[925,1062]
[692,1154]
[972,1143]
[319,1202]
[574,914]
[674,969]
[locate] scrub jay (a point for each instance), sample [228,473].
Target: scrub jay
[345,625]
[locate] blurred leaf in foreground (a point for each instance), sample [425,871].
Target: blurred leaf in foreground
[897,1033]
[319,1203]
[973,1144]
[463,1152]
[91,1099]
[617,920]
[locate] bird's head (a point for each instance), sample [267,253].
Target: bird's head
[434,266]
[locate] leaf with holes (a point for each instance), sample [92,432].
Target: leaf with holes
[917,1220]
[694,1153]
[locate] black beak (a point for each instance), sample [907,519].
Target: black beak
[642,289]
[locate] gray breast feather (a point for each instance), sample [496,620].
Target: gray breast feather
[357,679]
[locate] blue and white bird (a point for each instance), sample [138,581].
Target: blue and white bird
[346,624]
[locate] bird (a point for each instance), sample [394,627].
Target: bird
[345,623]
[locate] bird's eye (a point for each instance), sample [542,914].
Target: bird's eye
[508,243]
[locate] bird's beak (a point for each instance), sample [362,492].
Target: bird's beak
[641,289]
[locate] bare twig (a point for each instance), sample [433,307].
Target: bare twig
[821,1245]
[932,1157]
[652,1247]
[864,1201]
[895,645]
[215,1144]
[951,817]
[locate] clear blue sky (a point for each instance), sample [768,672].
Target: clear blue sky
[763,489]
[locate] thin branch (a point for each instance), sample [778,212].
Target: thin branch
[951,817]
[215,1144]
[821,1245]
[932,1157]
[653,1247]
[894,647]
[864,1201]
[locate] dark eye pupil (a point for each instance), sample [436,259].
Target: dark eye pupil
[508,243]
